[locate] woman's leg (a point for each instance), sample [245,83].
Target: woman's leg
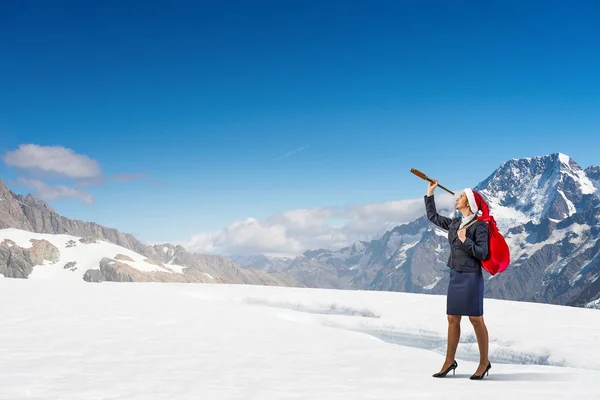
[482,341]
[453,338]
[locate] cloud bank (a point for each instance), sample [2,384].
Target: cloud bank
[293,232]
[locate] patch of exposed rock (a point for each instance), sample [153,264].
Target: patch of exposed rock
[43,250]
[123,257]
[115,271]
[17,262]
[71,265]
[14,262]
[154,262]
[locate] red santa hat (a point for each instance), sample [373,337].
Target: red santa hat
[476,203]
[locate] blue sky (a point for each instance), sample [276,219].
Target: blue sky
[252,109]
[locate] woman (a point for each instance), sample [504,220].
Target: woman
[469,242]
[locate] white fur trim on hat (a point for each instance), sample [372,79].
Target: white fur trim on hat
[472,202]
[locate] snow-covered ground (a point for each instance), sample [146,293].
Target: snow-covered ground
[77,340]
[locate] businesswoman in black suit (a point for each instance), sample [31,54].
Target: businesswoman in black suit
[469,244]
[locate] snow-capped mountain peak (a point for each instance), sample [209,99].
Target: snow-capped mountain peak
[552,186]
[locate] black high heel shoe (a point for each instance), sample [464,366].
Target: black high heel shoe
[442,374]
[486,372]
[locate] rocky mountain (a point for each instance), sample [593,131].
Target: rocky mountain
[33,216]
[553,262]
[549,211]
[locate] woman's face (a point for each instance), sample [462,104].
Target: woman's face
[461,201]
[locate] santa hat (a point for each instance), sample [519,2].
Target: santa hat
[476,203]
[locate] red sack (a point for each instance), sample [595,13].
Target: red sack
[499,254]
[498,257]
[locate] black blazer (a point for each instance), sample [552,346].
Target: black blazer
[464,256]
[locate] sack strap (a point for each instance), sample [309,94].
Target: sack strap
[469,224]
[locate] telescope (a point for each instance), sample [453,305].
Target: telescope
[425,177]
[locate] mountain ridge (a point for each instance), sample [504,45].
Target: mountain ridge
[28,213]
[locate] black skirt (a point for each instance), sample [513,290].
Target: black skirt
[465,293]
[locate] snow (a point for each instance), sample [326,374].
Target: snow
[580,231]
[520,247]
[404,242]
[586,184]
[401,255]
[77,340]
[593,304]
[577,174]
[565,159]
[440,232]
[570,205]
[177,268]
[86,255]
[507,217]
[578,234]
[596,185]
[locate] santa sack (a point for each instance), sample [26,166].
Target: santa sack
[498,254]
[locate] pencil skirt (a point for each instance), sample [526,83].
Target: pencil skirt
[465,293]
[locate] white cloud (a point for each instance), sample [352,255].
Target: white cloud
[54,192]
[53,159]
[293,232]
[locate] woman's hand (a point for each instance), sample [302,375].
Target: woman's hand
[462,235]
[431,187]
